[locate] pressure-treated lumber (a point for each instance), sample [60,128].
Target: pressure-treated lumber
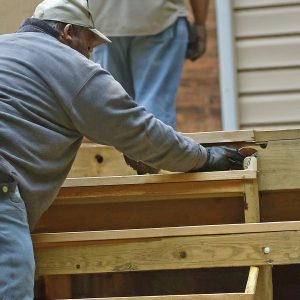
[99,160]
[264,284]
[252,281]
[170,252]
[228,296]
[223,136]
[276,135]
[279,166]
[42,239]
[252,214]
[161,178]
[146,192]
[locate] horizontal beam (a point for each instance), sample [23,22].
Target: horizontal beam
[276,135]
[227,296]
[149,192]
[156,187]
[67,237]
[160,178]
[222,136]
[171,252]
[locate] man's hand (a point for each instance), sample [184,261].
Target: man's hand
[140,167]
[218,159]
[197,41]
[223,159]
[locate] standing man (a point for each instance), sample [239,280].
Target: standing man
[151,39]
[51,95]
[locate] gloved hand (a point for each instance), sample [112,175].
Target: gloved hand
[223,159]
[197,41]
[139,166]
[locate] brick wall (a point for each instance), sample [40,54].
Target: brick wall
[198,97]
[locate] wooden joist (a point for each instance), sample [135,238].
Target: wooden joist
[175,248]
[227,296]
[161,178]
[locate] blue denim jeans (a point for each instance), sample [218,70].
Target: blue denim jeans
[149,67]
[16,253]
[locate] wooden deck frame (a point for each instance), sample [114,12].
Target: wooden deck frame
[211,184]
[270,145]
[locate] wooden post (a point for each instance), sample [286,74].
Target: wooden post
[252,215]
[264,289]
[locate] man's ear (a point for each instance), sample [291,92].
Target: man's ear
[67,34]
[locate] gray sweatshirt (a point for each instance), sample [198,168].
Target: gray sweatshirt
[50,97]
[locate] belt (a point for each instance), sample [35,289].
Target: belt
[6,188]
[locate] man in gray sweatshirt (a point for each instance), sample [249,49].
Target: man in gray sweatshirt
[51,95]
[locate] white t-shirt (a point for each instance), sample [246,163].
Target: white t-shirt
[135,17]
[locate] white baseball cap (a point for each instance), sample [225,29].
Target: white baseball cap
[74,12]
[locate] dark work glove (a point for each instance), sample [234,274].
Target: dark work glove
[139,166]
[223,159]
[197,41]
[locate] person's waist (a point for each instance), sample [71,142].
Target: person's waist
[7,182]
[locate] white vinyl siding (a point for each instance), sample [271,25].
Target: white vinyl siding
[267,21]
[267,40]
[279,52]
[263,3]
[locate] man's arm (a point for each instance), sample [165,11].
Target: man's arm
[104,112]
[200,10]
[197,30]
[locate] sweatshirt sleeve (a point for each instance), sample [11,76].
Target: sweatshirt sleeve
[105,113]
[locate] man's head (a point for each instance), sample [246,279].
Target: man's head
[74,22]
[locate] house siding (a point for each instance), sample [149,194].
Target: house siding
[267,40]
